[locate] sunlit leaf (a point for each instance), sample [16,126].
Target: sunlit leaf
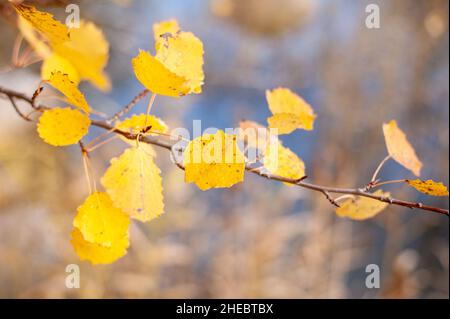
[98,254]
[400,149]
[280,160]
[289,111]
[182,54]
[62,83]
[88,51]
[214,161]
[157,78]
[55,63]
[360,208]
[100,222]
[429,187]
[51,29]
[63,126]
[133,182]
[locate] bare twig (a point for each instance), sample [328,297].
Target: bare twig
[128,107]
[377,171]
[16,108]
[157,141]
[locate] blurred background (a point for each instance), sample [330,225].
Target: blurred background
[259,239]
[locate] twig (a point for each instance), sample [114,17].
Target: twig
[154,140]
[377,171]
[128,107]
[330,199]
[16,108]
[396,181]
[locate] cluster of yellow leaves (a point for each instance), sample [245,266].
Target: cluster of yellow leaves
[289,111]
[65,126]
[133,181]
[81,53]
[100,233]
[429,187]
[177,67]
[214,161]
[401,151]
[70,55]
[360,208]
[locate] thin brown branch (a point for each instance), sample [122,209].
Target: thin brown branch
[129,106]
[16,108]
[325,190]
[373,181]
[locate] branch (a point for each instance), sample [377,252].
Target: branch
[128,107]
[157,141]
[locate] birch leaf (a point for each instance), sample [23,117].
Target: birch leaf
[360,208]
[289,111]
[214,161]
[429,187]
[100,222]
[400,149]
[63,126]
[133,182]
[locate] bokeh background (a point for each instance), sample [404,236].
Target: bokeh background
[259,238]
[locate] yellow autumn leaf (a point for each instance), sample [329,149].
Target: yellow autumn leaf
[400,149]
[33,38]
[429,187]
[98,254]
[62,83]
[133,182]
[214,161]
[164,29]
[51,29]
[55,63]
[280,160]
[88,51]
[63,126]
[135,124]
[156,77]
[288,122]
[182,53]
[99,221]
[360,208]
[289,111]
